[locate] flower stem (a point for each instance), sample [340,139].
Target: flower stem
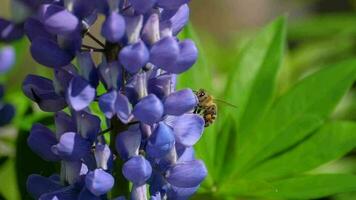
[122,186]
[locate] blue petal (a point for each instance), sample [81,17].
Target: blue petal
[9,31]
[162,85]
[103,156]
[111,74]
[99,182]
[150,31]
[87,68]
[48,53]
[149,110]
[41,91]
[85,194]
[38,185]
[187,57]
[161,141]
[139,192]
[107,104]
[35,29]
[72,147]
[57,19]
[80,93]
[177,193]
[164,53]
[123,108]
[180,102]
[176,19]
[137,170]
[187,174]
[134,57]
[171,4]
[188,129]
[142,6]
[41,140]
[67,193]
[7,58]
[83,8]
[88,125]
[64,123]
[185,153]
[113,28]
[128,143]
[62,78]
[7,113]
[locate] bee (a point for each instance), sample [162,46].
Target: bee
[207,107]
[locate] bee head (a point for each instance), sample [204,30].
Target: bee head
[201,93]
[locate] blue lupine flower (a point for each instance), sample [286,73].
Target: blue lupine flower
[152,126]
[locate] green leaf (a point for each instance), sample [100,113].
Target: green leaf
[252,86]
[312,186]
[323,26]
[331,142]
[8,179]
[297,114]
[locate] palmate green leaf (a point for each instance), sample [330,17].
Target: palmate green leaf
[330,142]
[251,87]
[312,186]
[297,114]
[300,187]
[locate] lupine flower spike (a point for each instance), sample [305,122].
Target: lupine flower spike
[151,125]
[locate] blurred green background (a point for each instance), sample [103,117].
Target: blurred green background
[319,32]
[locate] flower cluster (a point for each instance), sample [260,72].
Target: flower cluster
[7,58]
[152,127]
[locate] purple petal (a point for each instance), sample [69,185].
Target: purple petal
[107,104]
[185,153]
[149,110]
[171,4]
[41,140]
[7,113]
[188,129]
[10,31]
[137,170]
[111,74]
[134,57]
[7,58]
[38,185]
[99,182]
[83,8]
[176,193]
[71,147]
[72,171]
[113,28]
[161,141]
[103,156]
[87,68]
[80,93]
[180,102]
[67,193]
[139,192]
[150,32]
[176,19]
[57,19]
[142,6]
[162,85]
[64,123]
[41,91]
[123,108]
[164,53]
[48,53]
[35,29]
[187,174]
[62,78]
[128,143]
[88,125]
[85,194]
[187,58]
